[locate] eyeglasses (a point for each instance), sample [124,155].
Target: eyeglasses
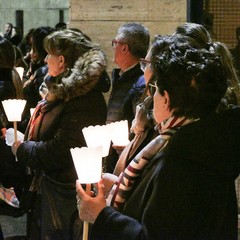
[144,63]
[116,42]
[152,89]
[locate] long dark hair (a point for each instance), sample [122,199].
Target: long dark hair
[7,54]
[37,41]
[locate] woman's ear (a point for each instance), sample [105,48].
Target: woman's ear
[61,61]
[167,100]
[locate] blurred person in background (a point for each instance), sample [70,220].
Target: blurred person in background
[12,174]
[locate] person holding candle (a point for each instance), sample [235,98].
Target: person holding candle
[12,174]
[130,44]
[181,185]
[143,124]
[10,82]
[29,91]
[71,102]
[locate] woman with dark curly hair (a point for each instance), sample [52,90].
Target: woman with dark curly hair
[181,185]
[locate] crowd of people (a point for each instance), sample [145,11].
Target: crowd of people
[174,180]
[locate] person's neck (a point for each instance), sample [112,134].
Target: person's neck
[128,63]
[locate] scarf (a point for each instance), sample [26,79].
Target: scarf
[122,190]
[35,121]
[140,127]
[33,134]
[38,122]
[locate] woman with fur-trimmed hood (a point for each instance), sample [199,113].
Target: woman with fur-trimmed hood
[71,101]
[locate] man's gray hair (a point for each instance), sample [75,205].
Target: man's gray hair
[137,37]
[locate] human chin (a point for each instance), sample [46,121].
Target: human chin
[51,73]
[114,60]
[160,115]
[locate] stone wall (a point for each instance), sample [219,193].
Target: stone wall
[36,12]
[100,19]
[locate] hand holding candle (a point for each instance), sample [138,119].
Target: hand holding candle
[90,207]
[88,164]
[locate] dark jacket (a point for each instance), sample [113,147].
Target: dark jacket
[127,88]
[126,92]
[12,173]
[7,91]
[35,77]
[31,86]
[187,191]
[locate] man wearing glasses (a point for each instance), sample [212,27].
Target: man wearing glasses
[129,46]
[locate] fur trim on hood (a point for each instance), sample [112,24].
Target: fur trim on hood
[79,80]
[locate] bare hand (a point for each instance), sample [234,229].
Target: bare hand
[15,147]
[90,207]
[118,149]
[3,132]
[108,181]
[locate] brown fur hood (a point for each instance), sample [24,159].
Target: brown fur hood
[77,81]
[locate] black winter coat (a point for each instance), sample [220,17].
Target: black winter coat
[60,130]
[187,191]
[126,92]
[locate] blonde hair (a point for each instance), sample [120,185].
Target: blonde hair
[68,43]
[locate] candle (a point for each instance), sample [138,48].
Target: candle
[98,136]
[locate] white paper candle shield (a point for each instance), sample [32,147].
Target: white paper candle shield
[32,111]
[13,109]
[119,133]
[88,163]
[20,71]
[98,136]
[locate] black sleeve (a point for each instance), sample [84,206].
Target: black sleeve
[104,82]
[111,224]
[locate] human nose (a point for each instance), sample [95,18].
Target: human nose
[46,59]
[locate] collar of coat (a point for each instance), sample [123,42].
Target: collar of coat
[79,80]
